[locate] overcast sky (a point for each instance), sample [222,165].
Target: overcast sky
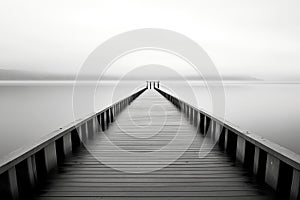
[258,38]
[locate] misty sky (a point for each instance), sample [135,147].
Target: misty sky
[254,38]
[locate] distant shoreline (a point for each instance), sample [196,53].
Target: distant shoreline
[69,82]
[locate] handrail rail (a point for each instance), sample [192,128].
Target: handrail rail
[279,166]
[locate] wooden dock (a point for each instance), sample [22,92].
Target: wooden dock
[147,147]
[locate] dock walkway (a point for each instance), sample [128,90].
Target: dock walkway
[150,151]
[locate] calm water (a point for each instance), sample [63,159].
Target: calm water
[31,111]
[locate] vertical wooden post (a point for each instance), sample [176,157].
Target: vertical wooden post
[205,120]
[118,108]
[104,121]
[187,111]
[212,129]
[112,112]
[83,132]
[67,144]
[107,117]
[13,184]
[196,118]
[199,122]
[217,131]
[95,124]
[272,171]
[294,195]
[240,149]
[50,157]
[32,174]
[191,115]
[90,128]
[226,139]
[256,160]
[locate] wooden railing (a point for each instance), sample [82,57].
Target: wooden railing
[275,165]
[23,170]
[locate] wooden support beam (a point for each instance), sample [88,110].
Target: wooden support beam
[90,129]
[83,132]
[195,121]
[112,113]
[198,124]
[205,125]
[272,171]
[13,184]
[217,131]
[191,115]
[107,117]
[32,173]
[67,144]
[256,160]
[50,157]
[295,188]
[226,139]
[95,125]
[240,149]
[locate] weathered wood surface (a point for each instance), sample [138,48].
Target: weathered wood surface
[148,125]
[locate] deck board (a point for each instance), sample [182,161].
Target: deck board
[149,124]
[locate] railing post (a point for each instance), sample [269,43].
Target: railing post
[191,115]
[217,131]
[240,149]
[67,144]
[112,113]
[198,123]
[32,174]
[212,129]
[226,139]
[205,125]
[294,194]
[13,184]
[83,132]
[187,111]
[50,157]
[256,160]
[107,117]
[90,128]
[272,171]
[195,118]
